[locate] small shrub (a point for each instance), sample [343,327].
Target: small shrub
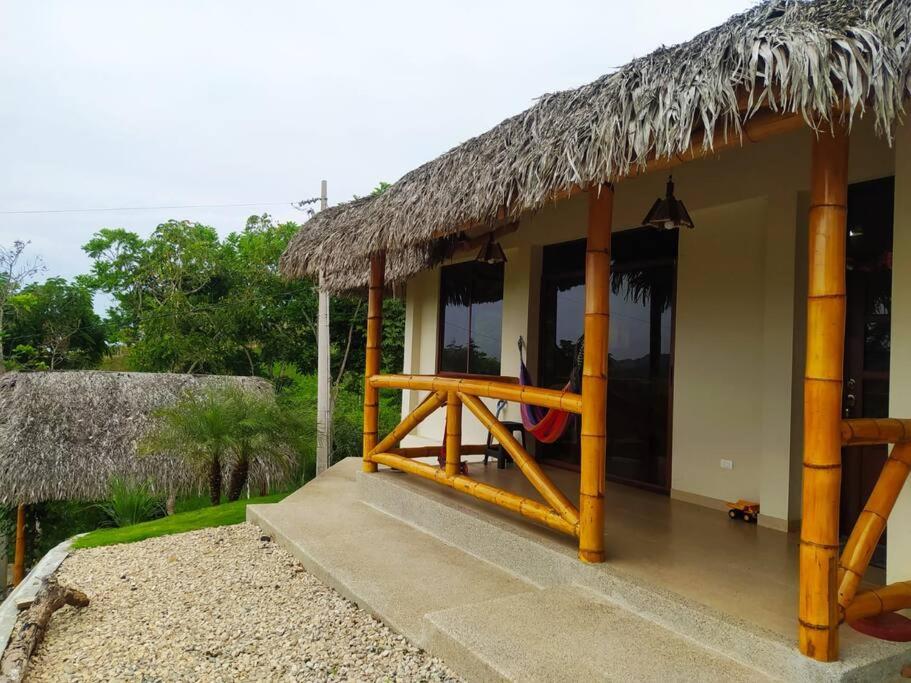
[131,503]
[297,392]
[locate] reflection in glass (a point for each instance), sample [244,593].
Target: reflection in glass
[471,296]
[639,361]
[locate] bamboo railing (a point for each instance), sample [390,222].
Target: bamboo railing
[870,525]
[434,451]
[558,512]
[458,392]
[497,389]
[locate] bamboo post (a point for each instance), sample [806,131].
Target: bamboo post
[872,521]
[818,603]
[594,373]
[453,434]
[19,557]
[372,362]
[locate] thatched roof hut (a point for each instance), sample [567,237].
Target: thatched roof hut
[787,56]
[65,435]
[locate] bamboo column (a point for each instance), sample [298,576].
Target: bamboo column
[453,434]
[372,362]
[594,373]
[19,557]
[818,602]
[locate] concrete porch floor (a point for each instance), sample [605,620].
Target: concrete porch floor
[686,593]
[744,570]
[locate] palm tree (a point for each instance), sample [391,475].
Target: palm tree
[261,429]
[200,428]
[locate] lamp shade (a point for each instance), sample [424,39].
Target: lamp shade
[668,212]
[491,252]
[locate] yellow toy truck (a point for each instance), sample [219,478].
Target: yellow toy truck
[745,510]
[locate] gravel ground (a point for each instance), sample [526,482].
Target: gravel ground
[216,605]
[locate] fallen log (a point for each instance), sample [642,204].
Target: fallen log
[33,625]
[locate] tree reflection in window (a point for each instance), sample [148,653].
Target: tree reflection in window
[471,320]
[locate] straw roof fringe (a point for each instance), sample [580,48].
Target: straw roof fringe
[791,56]
[65,435]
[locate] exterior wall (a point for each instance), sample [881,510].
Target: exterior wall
[898,551]
[719,368]
[738,359]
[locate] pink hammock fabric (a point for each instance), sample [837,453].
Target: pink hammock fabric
[546,425]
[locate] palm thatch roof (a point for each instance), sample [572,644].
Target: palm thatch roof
[789,56]
[65,435]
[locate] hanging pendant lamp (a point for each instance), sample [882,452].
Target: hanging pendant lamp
[668,212]
[491,252]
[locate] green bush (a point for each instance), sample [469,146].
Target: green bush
[52,522]
[131,503]
[298,391]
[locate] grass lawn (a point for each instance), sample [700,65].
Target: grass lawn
[220,515]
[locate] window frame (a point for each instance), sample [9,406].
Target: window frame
[441,311]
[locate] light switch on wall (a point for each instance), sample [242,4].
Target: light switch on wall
[727,464]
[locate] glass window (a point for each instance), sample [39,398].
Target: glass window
[471,320]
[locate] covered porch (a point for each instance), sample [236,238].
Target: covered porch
[822,578]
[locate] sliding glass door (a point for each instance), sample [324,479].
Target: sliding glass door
[640,356]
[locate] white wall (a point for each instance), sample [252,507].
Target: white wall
[898,552]
[718,370]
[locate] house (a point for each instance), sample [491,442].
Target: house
[761,354]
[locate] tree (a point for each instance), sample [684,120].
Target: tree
[187,301]
[54,326]
[262,429]
[273,318]
[224,426]
[190,302]
[197,428]
[14,271]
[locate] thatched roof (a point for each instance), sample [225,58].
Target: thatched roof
[790,56]
[65,435]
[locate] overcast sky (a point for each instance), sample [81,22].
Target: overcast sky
[129,104]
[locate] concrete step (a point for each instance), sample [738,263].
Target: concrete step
[385,565]
[570,633]
[547,561]
[485,621]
